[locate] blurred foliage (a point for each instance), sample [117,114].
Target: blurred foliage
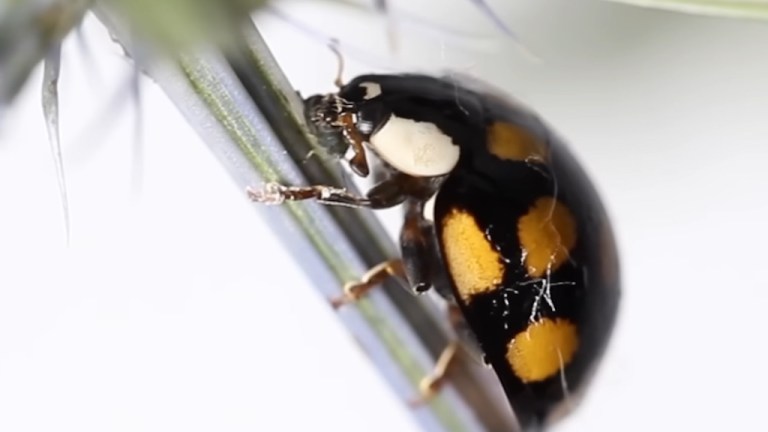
[29,29]
[754,9]
[173,24]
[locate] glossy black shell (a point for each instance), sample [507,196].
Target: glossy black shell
[497,192]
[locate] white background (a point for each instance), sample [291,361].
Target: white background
[148,320]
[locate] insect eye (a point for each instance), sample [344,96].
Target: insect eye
[322,114]
[318,109]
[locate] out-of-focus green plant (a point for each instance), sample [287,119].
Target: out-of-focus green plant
[751,9]
[31,29]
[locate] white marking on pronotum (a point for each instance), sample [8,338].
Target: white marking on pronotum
[416,148]
[372,89]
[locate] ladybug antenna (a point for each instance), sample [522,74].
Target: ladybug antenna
[334,46]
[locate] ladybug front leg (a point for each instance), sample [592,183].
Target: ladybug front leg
[386,194]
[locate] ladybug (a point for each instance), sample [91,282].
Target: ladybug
[499,218]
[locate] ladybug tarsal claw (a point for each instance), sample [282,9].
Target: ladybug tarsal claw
[430,385]
[428,388]
[271,194]
[353,291]
[338,302]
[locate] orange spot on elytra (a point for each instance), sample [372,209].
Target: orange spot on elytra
[543,349]
[547,233]
[473,264]
[512,142]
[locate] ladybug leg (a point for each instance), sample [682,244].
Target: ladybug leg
[464,334]
[275,193]
[417,243]
[386,194]
[353,291]
[431,384]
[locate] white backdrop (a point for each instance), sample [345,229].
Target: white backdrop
[143,323]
